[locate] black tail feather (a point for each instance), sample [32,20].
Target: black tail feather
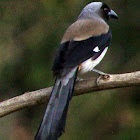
[63,121]
[53,123]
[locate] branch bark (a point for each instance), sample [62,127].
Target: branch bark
[41,96]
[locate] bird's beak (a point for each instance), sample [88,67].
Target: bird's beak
[112,14]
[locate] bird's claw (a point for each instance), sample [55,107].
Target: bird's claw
[102,76]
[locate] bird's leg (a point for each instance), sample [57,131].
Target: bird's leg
[99,72]
[102,75]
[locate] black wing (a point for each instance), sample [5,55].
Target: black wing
[73,53]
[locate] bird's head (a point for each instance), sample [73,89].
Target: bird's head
[98,9]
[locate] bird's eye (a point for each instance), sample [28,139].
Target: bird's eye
[106,10]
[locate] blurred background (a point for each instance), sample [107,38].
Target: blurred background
[30,32]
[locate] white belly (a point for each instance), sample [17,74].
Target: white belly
[89,64]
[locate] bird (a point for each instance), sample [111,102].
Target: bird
[82,47]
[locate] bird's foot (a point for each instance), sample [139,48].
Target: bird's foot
[102,75]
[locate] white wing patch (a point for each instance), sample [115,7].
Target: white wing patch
[89,64]
[96,49]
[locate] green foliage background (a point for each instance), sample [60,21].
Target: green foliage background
[30,32]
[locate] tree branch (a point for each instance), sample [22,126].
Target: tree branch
[85,86]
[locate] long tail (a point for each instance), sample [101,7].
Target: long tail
[53,123]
